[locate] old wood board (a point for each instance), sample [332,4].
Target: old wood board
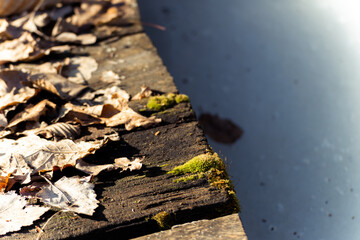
[130,200]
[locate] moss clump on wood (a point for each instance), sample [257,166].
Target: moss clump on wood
[162,102]
[164,220]
[212,166]
[190,177]
[180,98]
[200,164]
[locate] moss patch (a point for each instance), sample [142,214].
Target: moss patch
[160,103]
[180,98]
[190,177]
[200,164]
[212,166]
[164,220]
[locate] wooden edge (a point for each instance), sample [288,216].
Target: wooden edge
[222,228]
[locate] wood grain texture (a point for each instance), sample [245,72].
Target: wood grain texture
[130,200]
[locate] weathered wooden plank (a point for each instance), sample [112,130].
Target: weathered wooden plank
[131,202]
[222,228]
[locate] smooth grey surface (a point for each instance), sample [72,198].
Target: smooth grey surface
[288,73]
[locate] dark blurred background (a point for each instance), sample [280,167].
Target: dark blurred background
[287,73]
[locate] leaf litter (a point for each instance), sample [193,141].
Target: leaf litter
[46,107]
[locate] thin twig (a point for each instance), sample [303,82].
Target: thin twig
[43,228]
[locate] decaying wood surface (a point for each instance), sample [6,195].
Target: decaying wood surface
[223,228]
[130,200]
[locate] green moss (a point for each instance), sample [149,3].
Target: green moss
[200,164]
[160,103]
[164,220]
[212,166]
[180,98]
[189,178]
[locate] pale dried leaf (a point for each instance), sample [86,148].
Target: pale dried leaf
[119,163]
[19,49]
[70,37]
[70,194]
[33,113]
[112,95]
[109,77]
[12,99]
[144,93]
[47,67]
[126,164]
[131,119]
[75,114]
[7,31]
[16,213]
[80,69]
[86,14]
[57,85]
[31,154]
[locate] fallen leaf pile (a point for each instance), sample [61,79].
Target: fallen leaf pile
[46,110]
[28,37]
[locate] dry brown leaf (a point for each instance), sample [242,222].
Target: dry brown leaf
[31,154]
[86,14]
[7,31]
[4,180]
[8,7]
[60,131]
[69,37]
[47,67]
[80,69]
[20,49]
[31,190]
[112,95]
[144,93]
[110,77]
[57,85]
[119,163]
[33,113]
[131,119]
[17,49]
[15,212]
[12,88]
[70,194]
[75,114]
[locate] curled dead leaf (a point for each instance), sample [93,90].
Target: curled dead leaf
[60,131]
[131,119]
[69,37]
[9,7]
[13,89]
[33,113]
[24,48]
[57,85]
[144,93]
[75,114]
